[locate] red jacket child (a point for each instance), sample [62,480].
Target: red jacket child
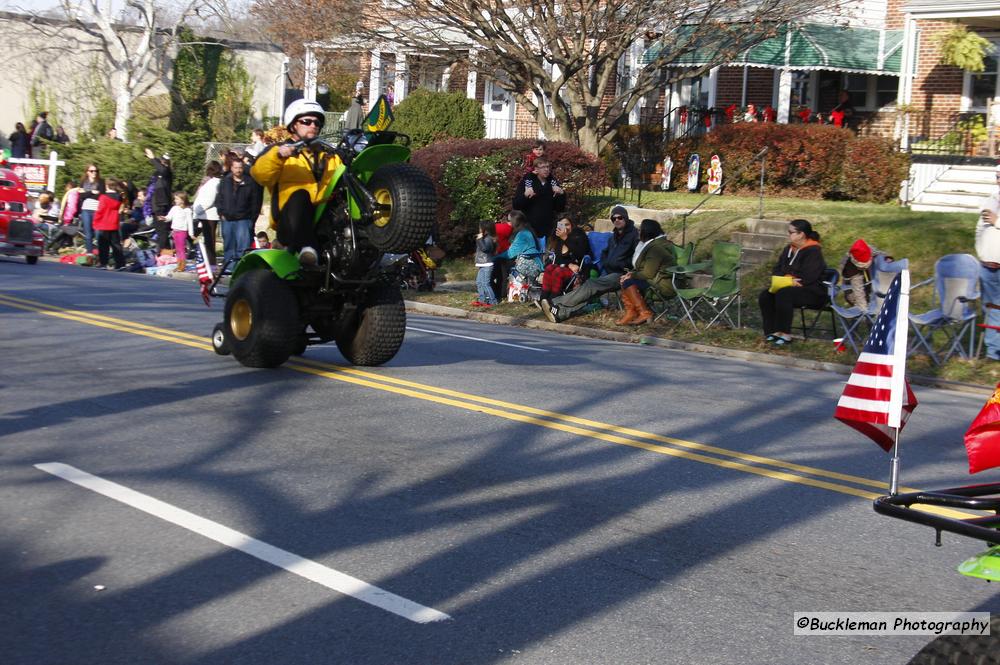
[108,207]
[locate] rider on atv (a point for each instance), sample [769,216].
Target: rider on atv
[297,180]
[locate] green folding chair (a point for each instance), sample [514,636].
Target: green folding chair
[658,301]
[718,296]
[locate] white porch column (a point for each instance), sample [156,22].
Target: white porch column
[309,76]
[905,90]
[635,64]
[446,77]
[784,95]
[713,84]
[402,78]
[472,79]
[375,77]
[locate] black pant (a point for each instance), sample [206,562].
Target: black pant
[777,309]
[498,278]
[162,235]
[106,239]
[206,229]
[295,222]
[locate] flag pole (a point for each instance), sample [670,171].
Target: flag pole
[894,469]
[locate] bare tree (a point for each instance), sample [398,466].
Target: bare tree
[138,44]
[562,59]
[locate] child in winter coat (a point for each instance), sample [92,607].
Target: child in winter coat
[106,223]
[181,219]
[486,247]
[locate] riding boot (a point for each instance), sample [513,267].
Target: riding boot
[631,310]
[643,313]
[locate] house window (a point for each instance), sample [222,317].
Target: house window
[856,86]
[981,86]
[886,91]
[870,92]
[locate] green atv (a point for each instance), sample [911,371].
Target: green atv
[379,209]
[951,649]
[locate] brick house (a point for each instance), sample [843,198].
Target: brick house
[882,52]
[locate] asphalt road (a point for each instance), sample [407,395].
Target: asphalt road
[493,494]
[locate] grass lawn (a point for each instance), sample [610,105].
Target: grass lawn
[922,237]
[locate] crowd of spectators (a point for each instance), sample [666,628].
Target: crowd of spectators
[151,224]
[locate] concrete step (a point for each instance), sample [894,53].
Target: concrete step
[754,257]
[941,207]
[960,185]
[778,227]
[969,200]
[639,214]
[760,240]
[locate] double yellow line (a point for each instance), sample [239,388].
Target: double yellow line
[625,436]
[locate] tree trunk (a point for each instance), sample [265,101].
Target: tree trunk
[123,104]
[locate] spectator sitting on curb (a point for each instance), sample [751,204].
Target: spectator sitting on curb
[615,262]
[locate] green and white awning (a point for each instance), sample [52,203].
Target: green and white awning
[803,47]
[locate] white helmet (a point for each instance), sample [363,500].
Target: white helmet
[301,107]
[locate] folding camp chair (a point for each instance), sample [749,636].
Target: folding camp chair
[956,284]
[723,291]
[849,316]
[830,276]
[883,270]
[656,300]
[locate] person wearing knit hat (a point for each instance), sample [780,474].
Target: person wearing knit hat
[988,252]
[854,273]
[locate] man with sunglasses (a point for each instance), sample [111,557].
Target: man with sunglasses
[297,178]
[616,259]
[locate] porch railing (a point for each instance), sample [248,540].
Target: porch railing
[949,134]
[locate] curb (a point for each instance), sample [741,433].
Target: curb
[633,338]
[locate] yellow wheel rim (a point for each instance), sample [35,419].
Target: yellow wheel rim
[241,320]
[382,216]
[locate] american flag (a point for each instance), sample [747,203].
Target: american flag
[204,273]
[877,397]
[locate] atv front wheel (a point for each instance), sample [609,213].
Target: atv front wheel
[262,319]
[375,336]
[407,209]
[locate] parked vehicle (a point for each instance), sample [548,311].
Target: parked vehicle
[379,209]
[18,235]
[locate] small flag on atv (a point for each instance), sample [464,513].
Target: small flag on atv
[380,117]
[982,439]
[204,273]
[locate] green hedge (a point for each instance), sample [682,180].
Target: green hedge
[812,161]
[432,116]
[126,161]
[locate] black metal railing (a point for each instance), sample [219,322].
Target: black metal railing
[965,135]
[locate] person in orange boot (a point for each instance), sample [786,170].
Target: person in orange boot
[651,259]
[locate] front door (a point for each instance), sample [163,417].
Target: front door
[498,108]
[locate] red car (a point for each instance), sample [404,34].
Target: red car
[18,236]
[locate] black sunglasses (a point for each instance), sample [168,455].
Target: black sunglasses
[308,122]
[614,217]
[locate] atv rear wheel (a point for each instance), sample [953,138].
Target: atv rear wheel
[409,207]
[374,337]
[262,319]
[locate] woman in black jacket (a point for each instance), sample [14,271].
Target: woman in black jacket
[567,246]
[799,273]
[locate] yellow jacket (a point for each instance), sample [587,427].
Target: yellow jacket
[284,176]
